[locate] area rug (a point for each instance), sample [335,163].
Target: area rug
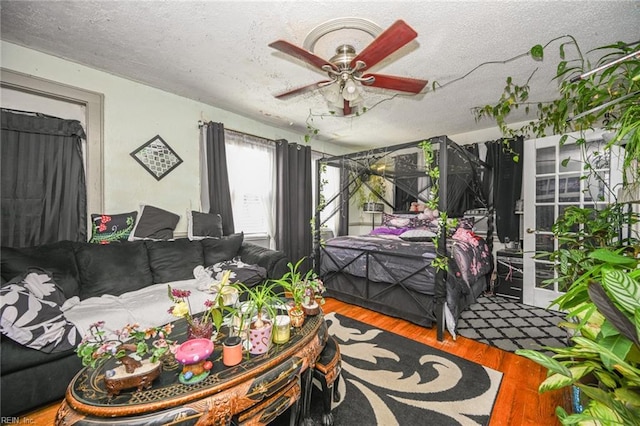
[390,380]
[508,325]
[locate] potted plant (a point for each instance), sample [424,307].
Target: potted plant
[213,315]
[262,302]
[313,299]
[370,191]
[598,267]
[299,288]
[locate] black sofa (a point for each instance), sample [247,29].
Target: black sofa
[31,378]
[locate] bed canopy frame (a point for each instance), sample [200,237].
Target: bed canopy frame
[464,183]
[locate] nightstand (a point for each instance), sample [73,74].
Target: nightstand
[510,274]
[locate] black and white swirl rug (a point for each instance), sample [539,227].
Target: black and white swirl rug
[390,380]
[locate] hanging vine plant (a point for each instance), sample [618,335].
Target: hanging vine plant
[598,267]
[609,99]
[444,224]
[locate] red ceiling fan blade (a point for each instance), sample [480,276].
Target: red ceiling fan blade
[300,53]
[302,89]
[401,84]
[390,40]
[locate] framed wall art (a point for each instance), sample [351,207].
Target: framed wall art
[157,157]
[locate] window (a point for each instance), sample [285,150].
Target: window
[92,104]
[251,167]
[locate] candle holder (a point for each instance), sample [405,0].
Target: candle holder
[282,330]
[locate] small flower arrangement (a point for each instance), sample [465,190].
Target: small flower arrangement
[314,289]
[214,312]
[130,341]
[304,289]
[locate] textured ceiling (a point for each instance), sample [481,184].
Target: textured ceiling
[217,52]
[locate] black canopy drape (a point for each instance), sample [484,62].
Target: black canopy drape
[218,193]
[44,195]
[507,184]
[294,201]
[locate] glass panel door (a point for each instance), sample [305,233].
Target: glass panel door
[555,178]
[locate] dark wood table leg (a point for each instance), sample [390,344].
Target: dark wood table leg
[307,383]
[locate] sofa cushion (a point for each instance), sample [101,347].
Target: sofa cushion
[57,258]
[106,228]
[154,224]
[203,225]
[219,249]
[274,261]
[31,314]
[113,268]
[174,260]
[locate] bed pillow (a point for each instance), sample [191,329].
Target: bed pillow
[203,225]
[466,223]
[398,220]
[219,249]
[384,230]
[154,224]
[418,235]
[106,228]
[31,314]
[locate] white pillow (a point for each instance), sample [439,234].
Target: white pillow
[418,235]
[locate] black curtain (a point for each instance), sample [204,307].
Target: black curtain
[44,195]
[343,220]
[294,202]
[405,164]
[218,177]
[507,184]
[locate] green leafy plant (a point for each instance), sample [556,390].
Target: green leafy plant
[607,99]
[604,305]
[445,224]
[262,300]
[593,263]
[369,188]
[300,286]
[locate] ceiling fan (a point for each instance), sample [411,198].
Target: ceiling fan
[348,70]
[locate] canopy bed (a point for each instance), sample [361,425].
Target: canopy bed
[391,270]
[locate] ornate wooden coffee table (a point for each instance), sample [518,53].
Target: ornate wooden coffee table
[254,391]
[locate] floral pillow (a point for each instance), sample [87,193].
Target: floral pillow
[245,273]
[398,220]
[107,228]
[31,313]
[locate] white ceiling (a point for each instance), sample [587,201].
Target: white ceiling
[217,52]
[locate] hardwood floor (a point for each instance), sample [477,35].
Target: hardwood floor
[518,401]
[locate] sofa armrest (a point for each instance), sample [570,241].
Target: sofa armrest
[274,261]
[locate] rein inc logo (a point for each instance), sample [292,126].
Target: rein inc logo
[16,420]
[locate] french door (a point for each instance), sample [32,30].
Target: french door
[554,179]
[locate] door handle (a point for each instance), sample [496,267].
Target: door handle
[531,231]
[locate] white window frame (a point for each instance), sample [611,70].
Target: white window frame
[264,209]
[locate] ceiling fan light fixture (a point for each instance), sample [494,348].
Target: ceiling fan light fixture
[333,94]
[351,91]
[348,70]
